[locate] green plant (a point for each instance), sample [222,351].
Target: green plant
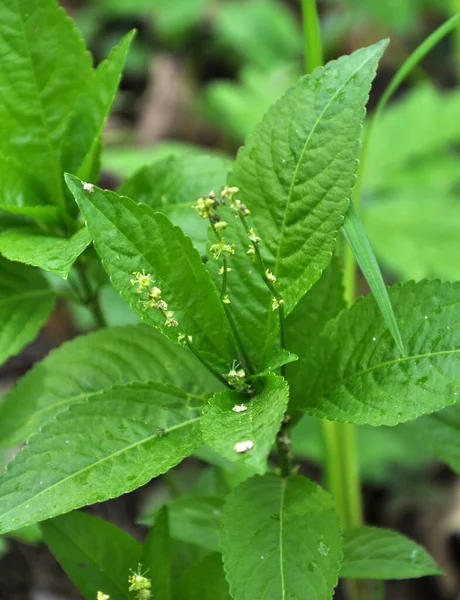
[234,348]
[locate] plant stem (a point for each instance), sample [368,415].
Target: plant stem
[90,298]
[204,362]
[312,36]
[456,9]
[239,342]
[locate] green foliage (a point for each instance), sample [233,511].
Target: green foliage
[231,418]
[95,554]
[440,432]
[204,580]
[373,553]
[281,538]
[89,365]
[357,374]
[156,556]
[131,239]
[26,301]
[115,444]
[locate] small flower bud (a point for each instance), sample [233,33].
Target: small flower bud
[141,280]
[161,305]
[155,293]
[226,300]
[170,322]
[102,596]
[221,225]
[251,249]
[222,270]
[215,218]
[276,303]
[228,192]
[253,237]
[270,276]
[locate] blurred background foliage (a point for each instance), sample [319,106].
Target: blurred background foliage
[200,74]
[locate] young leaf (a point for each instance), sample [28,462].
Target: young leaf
[373,553]
[356,237]
[96,555]
[91,111]
[231,418]
[357,375]
[30,246]
[281,539]
[321,304]
[441,432]
[156,556]
[26,300]
[97,450]
[132,238]
[39,40]
[172,185]
[204,580]
[297,169]
[91,364]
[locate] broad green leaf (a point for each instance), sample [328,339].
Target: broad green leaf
[295,175]
[204,580]
[195,520]
[281,539]
[45,70]
[356,237]
[132,238]
[30,246]
[322,303]
[92,110]
[231,417]
[441,432]
[373,553]
[26,301]
[91,364]
[156,556]
[99,449]
[96,555]
[356,374]
[430,222]
[172,185]
[41,214]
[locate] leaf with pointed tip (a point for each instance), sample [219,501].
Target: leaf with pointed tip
[321,304]
[91,112]
[91,364]
[42,90]
[356,237]
[96,555]
[258,422]
[374,553]
[99,449]
[26,301]
[281,539]
[129,238]
[156,556]
[172,185]
[356,374]
[204,580]
[295,175]
[30,246]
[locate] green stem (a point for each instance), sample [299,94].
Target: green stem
[312,36]
[207,364]
[239,342]
[90,298]
[456,9]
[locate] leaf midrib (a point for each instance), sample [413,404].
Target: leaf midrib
[99,462]
[304,149]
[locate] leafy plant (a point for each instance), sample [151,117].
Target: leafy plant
[245,331]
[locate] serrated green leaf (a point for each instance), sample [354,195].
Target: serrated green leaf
[99,449]
[357,375]
[204,580]
[96,555]
[430,222]
[30,246]
[91,364]
[374,553]
[231,417]
[156,556]
[91,112]
[322,303]
[129,238]
[281,539]
[172,184]
[356,237]
[26,301]
[295,175]
[441,432]
[39,40]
